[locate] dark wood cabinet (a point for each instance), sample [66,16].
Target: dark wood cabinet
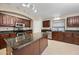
[60,36]
[46,23]
[27,50]
[68,37]
[73,21]
[76,38]
[4,35]
[36,46]
[3,44]
[27,23]
[55,35]
[43,44]
[12,35]
[7,20]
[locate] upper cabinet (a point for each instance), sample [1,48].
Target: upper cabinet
[46,23]
[27,22]
[7,20]
[73,21]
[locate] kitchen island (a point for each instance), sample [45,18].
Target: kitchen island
[34,47]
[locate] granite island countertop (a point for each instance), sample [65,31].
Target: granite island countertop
[35,37]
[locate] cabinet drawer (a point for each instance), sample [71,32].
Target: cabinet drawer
[12,35]
[76,41]
[4,35]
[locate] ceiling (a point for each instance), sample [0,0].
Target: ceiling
[57,9]
[47,10]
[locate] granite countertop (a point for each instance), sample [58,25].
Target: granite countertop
[35,37]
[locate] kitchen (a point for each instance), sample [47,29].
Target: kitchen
[24,32]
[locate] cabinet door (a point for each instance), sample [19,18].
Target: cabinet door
[60,36]
[11,20]
[76,38]
[28,23]
[3,44]
[43,44]
[73,21]
[27,50]
[46,23]
[19,20]
[76,41]
[4,20]
[36,46]
[1,19]
[54,35]
[68,37]
[7,20]
[13,35]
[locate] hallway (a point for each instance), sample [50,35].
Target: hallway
[60,48]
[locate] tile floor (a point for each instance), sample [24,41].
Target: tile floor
[61,48]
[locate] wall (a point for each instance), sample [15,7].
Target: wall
[37,25]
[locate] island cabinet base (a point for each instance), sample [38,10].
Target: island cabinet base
[35,48]
[43,44]
[27,50]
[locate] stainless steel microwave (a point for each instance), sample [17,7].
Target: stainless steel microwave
[19,25]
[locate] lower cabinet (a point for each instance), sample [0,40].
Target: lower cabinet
[27,50]
[34,48]
[43,44]
[3,44]
[68,37]
[76,38]
[76,41]
[57,36]
[54,35]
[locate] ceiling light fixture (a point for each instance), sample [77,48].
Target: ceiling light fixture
[35,11]
[24,5]
[28,5]
[33,7]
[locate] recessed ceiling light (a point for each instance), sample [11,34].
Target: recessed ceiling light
[28,5]
[24,5]
[33,7]
[35,10]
